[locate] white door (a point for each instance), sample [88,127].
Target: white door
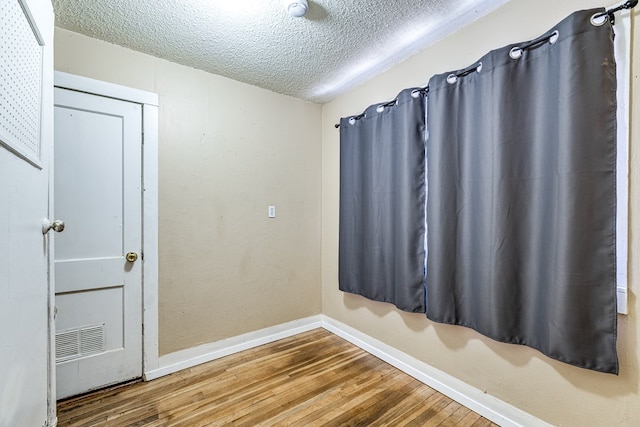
[98,145]
[26,78]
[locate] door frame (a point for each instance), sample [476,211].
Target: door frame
[149,103]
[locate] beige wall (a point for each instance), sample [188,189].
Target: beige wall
[227,150]
[555,392]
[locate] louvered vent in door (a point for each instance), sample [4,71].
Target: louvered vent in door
[76,343]
[20,82]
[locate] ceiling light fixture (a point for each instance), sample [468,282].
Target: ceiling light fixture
[296,8]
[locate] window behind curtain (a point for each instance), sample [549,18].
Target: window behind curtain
[382,196]
[522,195]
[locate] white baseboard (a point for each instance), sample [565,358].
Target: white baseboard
[190,357]
[484,404]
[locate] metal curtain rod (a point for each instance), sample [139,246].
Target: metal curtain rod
[416,93]
[629,4]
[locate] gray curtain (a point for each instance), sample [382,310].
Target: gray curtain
[521,198]
[382,196]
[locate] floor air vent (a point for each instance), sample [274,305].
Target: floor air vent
[76,343]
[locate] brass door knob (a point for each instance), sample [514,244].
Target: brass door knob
[132,257]
[57,226]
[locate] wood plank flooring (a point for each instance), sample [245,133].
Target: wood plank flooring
[311,379]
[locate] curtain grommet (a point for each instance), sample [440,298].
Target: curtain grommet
[554,37]
[352,121]
[415,94]
[515,52]
[380,108]
[598,19]
[452,78]
[479,67]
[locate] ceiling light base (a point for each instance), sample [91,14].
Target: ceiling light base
[296,8]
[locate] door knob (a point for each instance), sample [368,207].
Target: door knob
[132,257]
[57,226]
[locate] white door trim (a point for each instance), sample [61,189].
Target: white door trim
[149,102]
[110,90]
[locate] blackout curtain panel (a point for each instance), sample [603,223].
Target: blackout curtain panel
[521,198]
[382,196]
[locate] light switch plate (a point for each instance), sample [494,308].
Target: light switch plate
[272,211]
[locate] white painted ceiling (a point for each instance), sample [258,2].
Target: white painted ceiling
[334,47]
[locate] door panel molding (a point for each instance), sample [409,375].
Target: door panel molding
[149,103]
[21,96]
[70,273]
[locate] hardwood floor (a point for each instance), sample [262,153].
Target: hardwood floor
[311,379]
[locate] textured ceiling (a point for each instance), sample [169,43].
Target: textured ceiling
[336,45]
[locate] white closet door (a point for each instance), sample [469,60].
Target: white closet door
[98,265]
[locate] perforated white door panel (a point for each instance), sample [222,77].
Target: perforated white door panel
[26,382]
[20,82]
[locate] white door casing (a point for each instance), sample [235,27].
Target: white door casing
[26,110]
[110,94]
